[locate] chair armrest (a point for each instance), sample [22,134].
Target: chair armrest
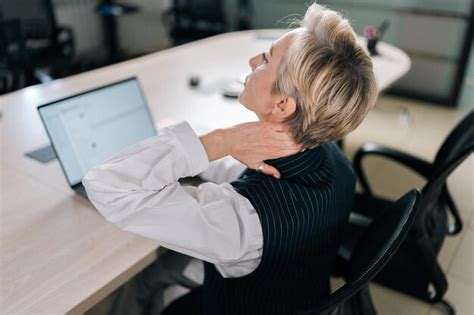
[418,165]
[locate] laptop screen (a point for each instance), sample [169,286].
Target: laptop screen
[87,129]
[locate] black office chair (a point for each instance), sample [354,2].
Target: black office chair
[414,269]
[192,20]
[377,245]
[46,44]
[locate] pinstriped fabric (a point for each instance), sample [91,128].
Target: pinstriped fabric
[302,216]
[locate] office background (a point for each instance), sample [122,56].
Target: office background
[439,28]
[433,33]
[437,35]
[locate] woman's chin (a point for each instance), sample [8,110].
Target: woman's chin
[242,101]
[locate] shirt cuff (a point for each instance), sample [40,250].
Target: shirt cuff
[192,147]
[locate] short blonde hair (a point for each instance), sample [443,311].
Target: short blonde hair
[329,75]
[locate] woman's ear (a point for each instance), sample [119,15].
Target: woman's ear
[284,107]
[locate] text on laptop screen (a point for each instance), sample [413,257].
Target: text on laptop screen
[87,129]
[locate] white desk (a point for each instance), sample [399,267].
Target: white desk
[58,255]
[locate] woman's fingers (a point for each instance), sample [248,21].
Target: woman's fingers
[281,136]
[285,153]
[268,170]
[284,149]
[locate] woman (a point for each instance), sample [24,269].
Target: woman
[269,238]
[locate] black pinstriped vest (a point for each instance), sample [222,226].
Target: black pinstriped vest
[302,217]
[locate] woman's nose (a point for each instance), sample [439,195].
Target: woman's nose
[253,63]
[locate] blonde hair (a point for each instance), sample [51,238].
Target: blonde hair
[329,75]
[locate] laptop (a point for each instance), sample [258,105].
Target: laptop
[88,128]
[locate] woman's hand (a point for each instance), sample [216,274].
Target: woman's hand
[252,143]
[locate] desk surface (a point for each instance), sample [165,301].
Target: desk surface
[58,255]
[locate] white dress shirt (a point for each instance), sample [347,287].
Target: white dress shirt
[138,191]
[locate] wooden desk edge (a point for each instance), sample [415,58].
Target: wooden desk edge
[114,284]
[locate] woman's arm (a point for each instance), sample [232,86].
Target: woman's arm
[137,190]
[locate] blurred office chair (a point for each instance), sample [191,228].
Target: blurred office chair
[377,245]
[192,20]
[12,56]
[46,44]
[414,269]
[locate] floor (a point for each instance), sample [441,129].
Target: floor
[417,128]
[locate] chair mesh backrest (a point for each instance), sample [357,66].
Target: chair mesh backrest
[36,16]
[377,245]
[384,235]
[461,137]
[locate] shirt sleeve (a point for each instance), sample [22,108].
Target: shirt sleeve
[223,170]
[137,190]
